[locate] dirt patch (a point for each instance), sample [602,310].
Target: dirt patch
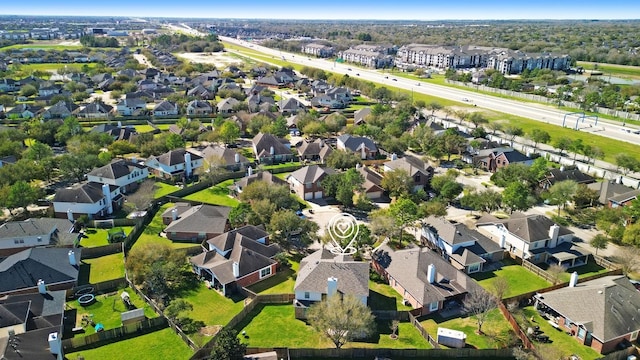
[210,330]
[220,59]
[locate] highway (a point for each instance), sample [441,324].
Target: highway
[532,111]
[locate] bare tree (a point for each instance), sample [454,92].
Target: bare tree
[555,271]
[628,258]
[142,198]
[499,287]
[479,303]
[394,328]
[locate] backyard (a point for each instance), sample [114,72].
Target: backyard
[161,344]
[497,332]
[99,237]
[562,345]
[384,297]
[520,280]
[101,269]
[215,195]
[163,189]
[106,310]
[276,326]
[281,283]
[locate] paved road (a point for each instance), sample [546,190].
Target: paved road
[533,111]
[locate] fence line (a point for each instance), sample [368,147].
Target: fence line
[516,327]
[370,353]
[99,251]
[423,331]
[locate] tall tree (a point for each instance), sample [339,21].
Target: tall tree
[227,346]
[290,231]
[516,197]
[512,132]
[397,182]
[539,136]
[561,192]
[599,242]
[562,143]
[478,303]
[341,319]
[627,162]
[405,213]
[477,119]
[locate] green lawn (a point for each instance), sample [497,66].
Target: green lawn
[583,271]
[150,233]
[281,283]
[163,189]
[216,195]
[106,310]
[212,307]
[42,46]
[147,128]
[613,69]
[265,321]
[55,67]
[98,237]
[104,268]
[161,344]
[562,344]
[520,279]
[497,330]
[384,297]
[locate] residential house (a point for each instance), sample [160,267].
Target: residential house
[95,110]
[199,107]
[324,274]
[267,177]
[61,110]
[23,111]
[612,193]
[315,150]
[227,105]
[236,259]
[202,93]
[117,132]
[165,108]
[598,313]
[91,198]
[535,238]
[145,84]
[227,158]
[360,116]
[48,89]
[8,85]
[564,174]
[466,249]
[306,182]
[363,146]
[269,82]
[32,325]
[129,107]
[196,223]
[623,199]
[35,232]
[372,186]
[122,173]
[290,106]
[271,150]
[498,159]
[175,164]
[53,267]
[259,102]
[426,281]
[7,160]
[420,172]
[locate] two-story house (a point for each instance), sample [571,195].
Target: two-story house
[122,173]
[420,172]
[165,108]
[271,150]
[199,107]
[36,232]
[175,164]
[91,198]
[360,145]
[227,158]
[307,181]
[535,238]
[466,249]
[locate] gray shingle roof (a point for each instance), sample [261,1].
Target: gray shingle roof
[226,154]
[88,193]
[34,227]
[315,269]
[353,142]
[311,174]
[22,270]
[411,165]
[115,170]
[529,228]
[175,157]
[201,219]
[263,142]
[607,307]
[409,268]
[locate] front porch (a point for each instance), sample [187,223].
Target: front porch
[566,255]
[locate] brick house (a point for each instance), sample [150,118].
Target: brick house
[195,223]
[307,181]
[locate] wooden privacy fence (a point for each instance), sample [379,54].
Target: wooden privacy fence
[423,331]
[100,251]
[516,327]
[368,353]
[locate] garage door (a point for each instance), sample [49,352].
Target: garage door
[308,196]
[317,195]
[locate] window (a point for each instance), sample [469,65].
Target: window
[634,335]
[265,272]
[308,185]
[433,306]
[474,268]
[39,238]
[18,241]
[307,295]
[581,333]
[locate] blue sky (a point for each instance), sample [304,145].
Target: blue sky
[335,9]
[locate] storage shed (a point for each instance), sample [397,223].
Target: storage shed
[451,338]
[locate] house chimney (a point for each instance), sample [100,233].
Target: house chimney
[187,163]
[72,258]
[619,180]
[554,230]
[363,152]
[249,171]
[70,215]
[503,240]
[107,197]
[237,158]
[119,123]
[574,279]
[174,214]
[272,151]
[236,270]
[42,287]
[562,168]
[431,273]
[394,156]
[55,343]
[332,286]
